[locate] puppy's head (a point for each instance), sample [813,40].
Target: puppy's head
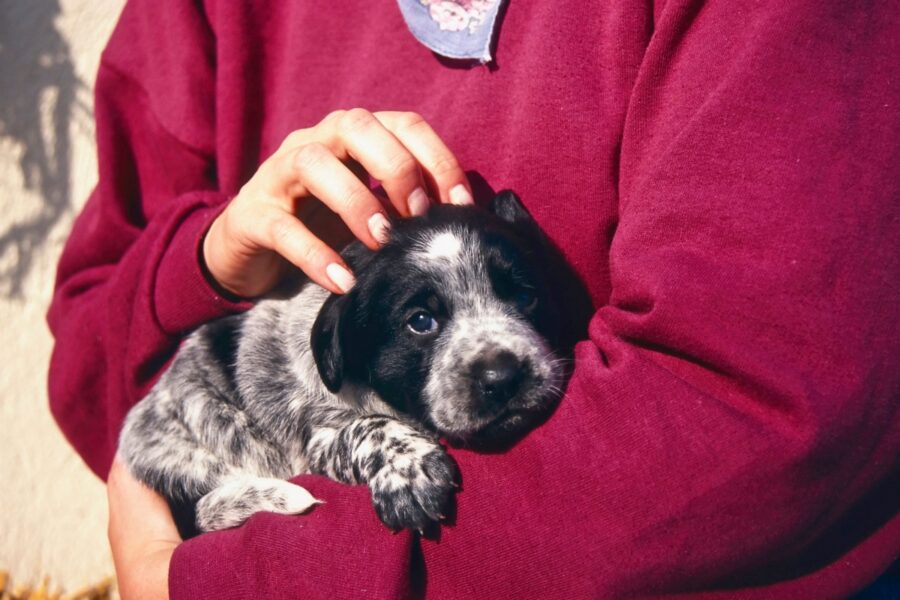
[461,320]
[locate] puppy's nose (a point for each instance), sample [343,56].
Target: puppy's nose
[498,376]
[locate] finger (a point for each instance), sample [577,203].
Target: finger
[325,222]
[437,162]
[319,173]
[366,140]
[287,236]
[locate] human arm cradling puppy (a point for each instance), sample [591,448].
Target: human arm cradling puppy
[142,536]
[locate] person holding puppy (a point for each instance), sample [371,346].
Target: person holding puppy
[723,179]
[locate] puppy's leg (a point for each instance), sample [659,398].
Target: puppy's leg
[411,477]
[161,450]
[239,497]
[186,438]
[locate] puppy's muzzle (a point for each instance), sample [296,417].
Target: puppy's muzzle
[497,379]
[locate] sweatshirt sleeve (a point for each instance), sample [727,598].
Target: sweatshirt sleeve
[731,427]
[129,283]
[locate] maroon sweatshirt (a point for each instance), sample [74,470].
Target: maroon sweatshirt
[723,175]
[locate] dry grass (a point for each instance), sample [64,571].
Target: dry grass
[104,590]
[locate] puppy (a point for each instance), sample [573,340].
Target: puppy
[457,327]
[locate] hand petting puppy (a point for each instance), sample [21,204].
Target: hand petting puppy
[260,231]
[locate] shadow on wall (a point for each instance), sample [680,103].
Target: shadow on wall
[38,99]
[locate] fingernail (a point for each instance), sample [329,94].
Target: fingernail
[460,195]
[418,202]
[340,276]
[380,228]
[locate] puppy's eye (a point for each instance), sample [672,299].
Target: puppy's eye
[422,322]
[525,299]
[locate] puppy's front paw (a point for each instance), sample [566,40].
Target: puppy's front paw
[414,490]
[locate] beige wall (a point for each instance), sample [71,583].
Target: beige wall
[52,510]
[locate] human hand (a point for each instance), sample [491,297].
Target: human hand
[142,536]
[260,231]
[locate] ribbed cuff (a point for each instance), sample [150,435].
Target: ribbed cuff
[183,295]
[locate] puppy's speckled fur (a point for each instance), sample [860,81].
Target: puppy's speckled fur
[348,387]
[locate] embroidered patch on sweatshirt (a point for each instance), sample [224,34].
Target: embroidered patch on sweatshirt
[453,28]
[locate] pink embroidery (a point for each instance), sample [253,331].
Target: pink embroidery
[457,15]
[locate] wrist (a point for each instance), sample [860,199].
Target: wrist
[210,273]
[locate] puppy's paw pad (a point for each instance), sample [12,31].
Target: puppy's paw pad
[416,495]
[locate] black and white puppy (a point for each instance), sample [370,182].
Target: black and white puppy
[459,327]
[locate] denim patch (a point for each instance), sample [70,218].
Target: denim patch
[453,28]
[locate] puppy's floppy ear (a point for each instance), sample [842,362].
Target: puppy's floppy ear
[334,325]
[562,280]
[509,207]
[325,340]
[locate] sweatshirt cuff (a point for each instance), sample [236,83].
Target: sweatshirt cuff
[183,295]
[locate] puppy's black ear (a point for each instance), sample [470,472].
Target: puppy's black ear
[508,207]
[325,340]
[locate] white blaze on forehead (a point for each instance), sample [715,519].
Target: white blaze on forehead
[443,245]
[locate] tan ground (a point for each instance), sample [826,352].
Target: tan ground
[52,510]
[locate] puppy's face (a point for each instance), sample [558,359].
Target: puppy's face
[456,321]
